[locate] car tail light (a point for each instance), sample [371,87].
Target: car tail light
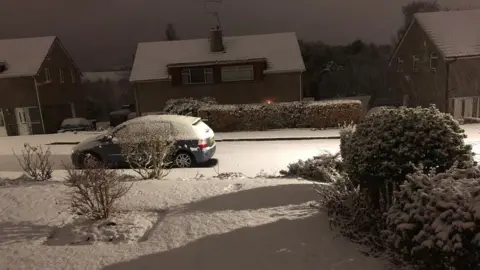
[203,143]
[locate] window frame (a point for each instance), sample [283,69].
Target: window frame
[415,61]
[72,75]
[433,57]
[2,119]
[238,68]
[62,76]
[400,63]
[22,117]
[48,78]
[207,73]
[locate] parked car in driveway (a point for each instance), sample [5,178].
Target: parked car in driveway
[194,142]
[76,124]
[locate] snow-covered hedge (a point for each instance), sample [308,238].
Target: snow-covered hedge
[325,168]
[323,114]
[389,144]
[187,106]
[435,220]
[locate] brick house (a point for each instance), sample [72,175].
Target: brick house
[234,70]
[437,61]
[39,86]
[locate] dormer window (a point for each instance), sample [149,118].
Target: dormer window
[399,64]
[415,61]
[433,60]
[197,75]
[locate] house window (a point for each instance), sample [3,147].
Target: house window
[2,121]
[237,73]
[197,75]
[399,64]
[72,74]
[415,61]
[62,78]
[21,117]
[47,75]
[433,61]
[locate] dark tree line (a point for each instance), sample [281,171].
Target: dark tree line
[354,69]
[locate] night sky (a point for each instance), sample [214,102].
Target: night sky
[104,33]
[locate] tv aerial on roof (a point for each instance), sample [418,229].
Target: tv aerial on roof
[212,7]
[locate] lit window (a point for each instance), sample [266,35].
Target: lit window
[72,74]
[237,73]
[62,79]
[399,64]
[47,75]
[415,61]
[433,61]
[197,75]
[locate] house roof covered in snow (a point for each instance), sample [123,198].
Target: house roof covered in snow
[281,50]
[455,33]
[24,56]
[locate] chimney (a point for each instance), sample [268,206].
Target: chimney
[216,40]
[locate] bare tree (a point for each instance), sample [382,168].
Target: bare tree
[36,162]
[148,148]
[95,191]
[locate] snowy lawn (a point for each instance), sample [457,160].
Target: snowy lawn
[174,224]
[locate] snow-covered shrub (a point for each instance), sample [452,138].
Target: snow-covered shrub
[319,114]
[95,191]
[324,168]
[187,106]
[389,144]
[36,162]
[348,211]
[148,148]
[345,135]
[435,220]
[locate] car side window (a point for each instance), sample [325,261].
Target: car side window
[119,131]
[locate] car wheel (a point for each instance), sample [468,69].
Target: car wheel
[183,160]
[91,161]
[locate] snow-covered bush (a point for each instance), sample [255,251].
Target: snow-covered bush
[389,144]
[324,168]
[348,211]
[345,135]
[148,148]
[95,191]
[36,162]
[435,220]
[262,116]
[187,106]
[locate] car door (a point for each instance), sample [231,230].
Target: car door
[111,149]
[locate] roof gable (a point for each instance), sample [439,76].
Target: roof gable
[454,33]
[24,56]
[281,50]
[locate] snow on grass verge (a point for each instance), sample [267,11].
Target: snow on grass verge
[121,227]
[214,224]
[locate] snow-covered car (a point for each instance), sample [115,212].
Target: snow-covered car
[76,124]
[194,142]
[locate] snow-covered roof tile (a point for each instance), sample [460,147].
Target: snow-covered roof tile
[281,50]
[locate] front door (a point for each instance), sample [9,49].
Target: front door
[23,121]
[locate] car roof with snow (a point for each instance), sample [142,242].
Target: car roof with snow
[182,119]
